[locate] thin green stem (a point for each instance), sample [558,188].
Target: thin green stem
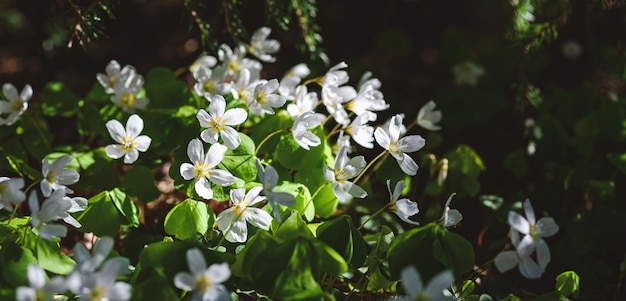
[274,133]
[370,165]
[375,214]
[31,186]
[314,195]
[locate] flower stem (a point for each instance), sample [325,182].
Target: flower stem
[272,134]
[314,195]
[375,214]
[370,165]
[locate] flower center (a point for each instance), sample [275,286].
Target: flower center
[208,86]
[202,170]
[394,148]
[202,283]
[340,176]
[3,188]
[97,293]
[261,97]
[234,65]
[240,208]
[128,144]
[244,95]
[17,105]
[50,176]
[534,231]
[421,297]
[112,81]
[128,100]
[217,124]
[40,295]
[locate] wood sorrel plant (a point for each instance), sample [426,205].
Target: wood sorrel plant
[267,175]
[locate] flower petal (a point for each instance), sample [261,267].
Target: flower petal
[439,283]
[116,130]
[215,155]
[231,137]
[217,106]
[114,151]
[187,171]
[142,143]
[543,253]
[134,125]
[409,144]
[530,213]
[518,222]
[547,227]
[382,138]
[184,281]
[218,272]
[195,151]
[222,177]
[411,281]
[506,261]
[235,116]
[258,218]
[530,269]
[203,188]
[195,261]
[408,165]
[131,156]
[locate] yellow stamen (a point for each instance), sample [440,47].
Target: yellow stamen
[128,100]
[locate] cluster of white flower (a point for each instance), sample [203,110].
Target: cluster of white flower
[92,278]
[534,231]
[15,104]
[125,84]
[57,205]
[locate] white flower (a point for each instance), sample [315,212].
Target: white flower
[101,285]
[534,232]
[264,99]
[345,169]
[10,193]
[209,82]
[302,124]
[219,121]
[467,73]
[390,140]
[404,208]
[451,217]
[571,49]
[53,208]
[414,287]
[334,96]
[87,262]
[233,221]
[261,47]
[304,102]
[203,61]
[125,94]
[507,260]
[203,168]
[235,61]
[427,117]
[14,105]
[342,141]
[243,88]
[55,176]
[291,79]
[369,98]
[362,133]
[114,74]
[269,179]
[39,288]
[207,283]
[130,141]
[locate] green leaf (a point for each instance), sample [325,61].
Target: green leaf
[325,200]
[165,91]
[14,262]
[97,94]
[241,161]
[568,283]
[341,235]
[188,218]
[516,162]
[22,168]
[268,125]
[302,196]
[170,258]
[101,216]
[157,287]
[453,251]
[139,182]
[292,156]
[619,160]
[292,227]
[58,100]
[375,262]
[465,160]
[101,173]
[415,247]
[126,207]
[50,257]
